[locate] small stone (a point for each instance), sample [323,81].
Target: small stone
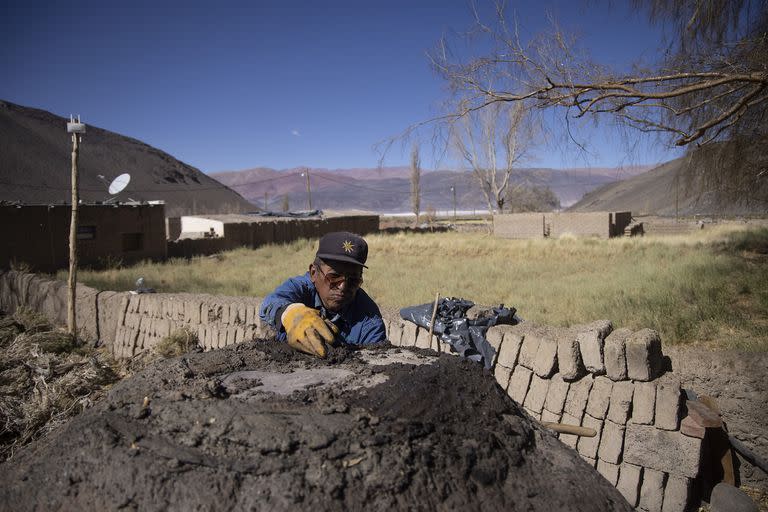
[621,402]
[644,403]
[651,491]
[629,482]
[727,498]
[703,415]
[643,351]
[690,428]
[614,354]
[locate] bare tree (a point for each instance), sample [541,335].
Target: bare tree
[491,142]
[710,86]
[415,181]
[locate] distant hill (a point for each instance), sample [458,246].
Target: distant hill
[388,189]
[35,167]
[673,188]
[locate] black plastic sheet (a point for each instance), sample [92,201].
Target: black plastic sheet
[465,336]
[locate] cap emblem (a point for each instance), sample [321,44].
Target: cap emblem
[348,247]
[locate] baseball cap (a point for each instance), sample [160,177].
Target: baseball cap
[343,246]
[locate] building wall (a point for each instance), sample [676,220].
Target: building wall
[38,235]
[544,225]
[190,224]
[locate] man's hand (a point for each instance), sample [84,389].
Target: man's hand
[306,331]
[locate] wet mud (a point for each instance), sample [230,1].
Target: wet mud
[260,427]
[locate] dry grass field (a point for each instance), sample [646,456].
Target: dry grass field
[708,288]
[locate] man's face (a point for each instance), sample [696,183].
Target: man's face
[336,282]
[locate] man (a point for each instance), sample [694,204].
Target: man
[326,305]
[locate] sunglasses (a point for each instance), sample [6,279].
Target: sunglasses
[334,280]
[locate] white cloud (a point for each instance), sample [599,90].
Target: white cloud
[295,133]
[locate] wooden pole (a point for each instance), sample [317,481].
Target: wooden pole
[309,190]
[72,281]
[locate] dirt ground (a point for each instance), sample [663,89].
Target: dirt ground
[739,382]
[259,427]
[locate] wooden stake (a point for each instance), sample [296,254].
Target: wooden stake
[432,321]
[72,281]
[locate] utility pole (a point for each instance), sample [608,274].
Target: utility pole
[309,189]
[453,189]
[76,128]
[265,200]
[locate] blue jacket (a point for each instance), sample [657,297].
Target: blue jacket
[360,323]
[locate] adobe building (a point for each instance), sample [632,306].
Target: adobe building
[38,235]
[555,225]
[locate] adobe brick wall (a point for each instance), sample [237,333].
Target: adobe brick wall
[588,375]
[542,225]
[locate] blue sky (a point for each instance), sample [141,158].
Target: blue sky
[281,84]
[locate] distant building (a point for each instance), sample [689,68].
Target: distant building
[37,236]
[555,225]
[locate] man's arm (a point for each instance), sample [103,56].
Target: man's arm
[291,291]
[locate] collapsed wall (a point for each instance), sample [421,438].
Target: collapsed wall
[611,381]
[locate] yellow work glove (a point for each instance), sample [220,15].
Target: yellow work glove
[306,331]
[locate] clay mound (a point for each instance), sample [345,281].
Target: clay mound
[259,427]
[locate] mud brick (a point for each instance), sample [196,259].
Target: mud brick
[510,349]
[611,443]
[502,375]
[651,491]
[422,338]
[435,344]
[250,312]
[547,416]
[643,350]
[239,335]
[614,354]
[250,333]
[668,399]
[200,330]
[395,331]
[556,394]
[221,339]
[495,336]
[588,445]
[609,471]
[193,314]
[232,335]
[518,384]
[569,439]
[662,450]
[578,393]
[599,398]
[528,351]
[703,415]
[621,402]
[676,494]
[410,331]
[589,460]
[569,358]
[537,393]
[644,403]
[591,348]
[629,482]
[164,328]
[545,362]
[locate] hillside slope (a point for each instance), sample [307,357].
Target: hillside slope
[665,191]
[35,167]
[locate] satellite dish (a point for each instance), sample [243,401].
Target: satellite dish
[118,184]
